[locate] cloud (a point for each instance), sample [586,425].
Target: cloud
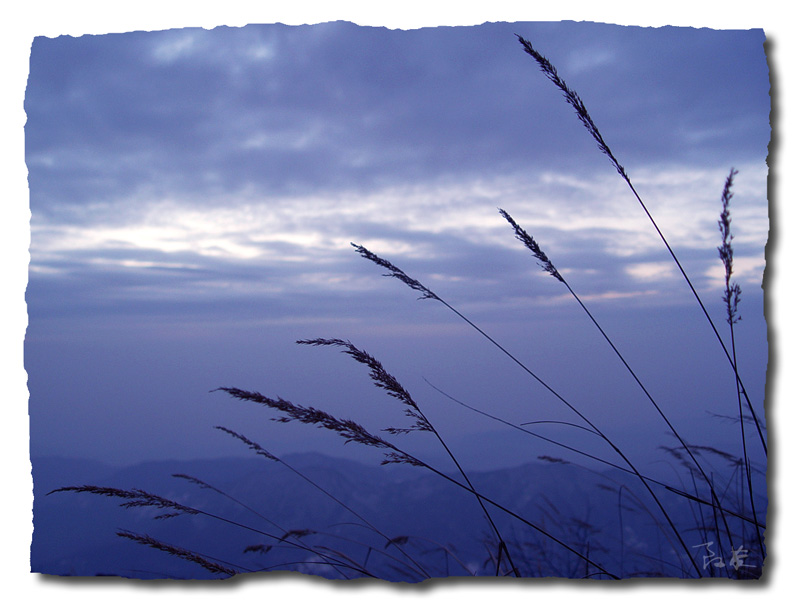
[449,232]
[339,107]
[201,188]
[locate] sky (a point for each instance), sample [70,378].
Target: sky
[194,195]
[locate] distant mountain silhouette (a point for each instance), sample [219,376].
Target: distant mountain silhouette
[75,534]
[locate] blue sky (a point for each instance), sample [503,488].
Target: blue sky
[194,194]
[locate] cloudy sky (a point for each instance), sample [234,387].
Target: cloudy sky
[195,193]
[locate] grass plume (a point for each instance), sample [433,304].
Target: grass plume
[575,101]
[134,498]
[180,552]
[732,290]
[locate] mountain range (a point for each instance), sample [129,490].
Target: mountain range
[338,518]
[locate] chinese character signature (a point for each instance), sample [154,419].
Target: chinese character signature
[717,561]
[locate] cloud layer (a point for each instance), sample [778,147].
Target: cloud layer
[219,176]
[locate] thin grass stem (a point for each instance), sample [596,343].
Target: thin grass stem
[731,298]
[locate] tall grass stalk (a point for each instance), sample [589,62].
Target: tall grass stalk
[731,298]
